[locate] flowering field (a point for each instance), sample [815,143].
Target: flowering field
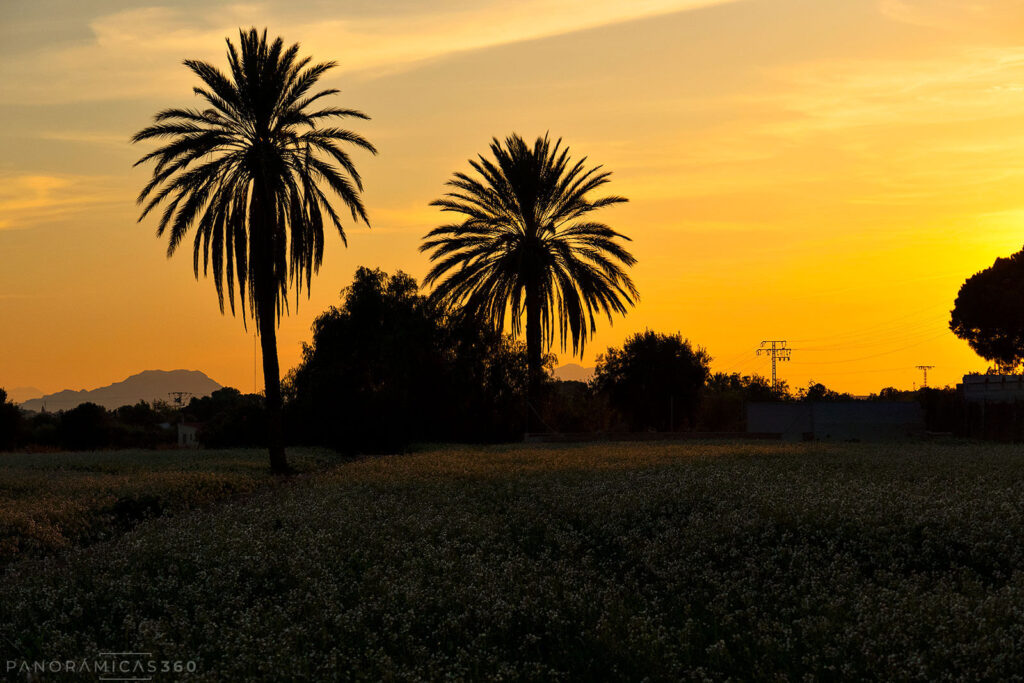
[55,500]
[612,561]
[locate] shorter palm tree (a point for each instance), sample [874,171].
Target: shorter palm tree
[526,245]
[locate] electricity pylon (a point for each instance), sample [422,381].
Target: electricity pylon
[924,369]
[178,397]
[777,351]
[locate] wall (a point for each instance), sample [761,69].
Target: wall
[838,420]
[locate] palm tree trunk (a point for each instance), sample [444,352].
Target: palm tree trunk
[272,389]
[535,367]
[263,234]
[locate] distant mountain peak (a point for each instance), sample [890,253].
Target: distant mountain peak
[148,385]
[574,372]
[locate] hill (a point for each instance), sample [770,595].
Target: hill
[147,386]
[573,372]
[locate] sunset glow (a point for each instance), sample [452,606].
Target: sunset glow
[828,173]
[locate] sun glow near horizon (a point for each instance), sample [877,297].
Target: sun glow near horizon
[825,173]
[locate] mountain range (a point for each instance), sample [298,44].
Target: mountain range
[149,386]
[156,385]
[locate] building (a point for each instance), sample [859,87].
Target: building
[188,435]
[992,388]
[992,407]
[837,420]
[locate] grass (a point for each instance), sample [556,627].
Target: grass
[611,561]
[50,501]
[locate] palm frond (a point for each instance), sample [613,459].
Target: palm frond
[524,228]
[248,170]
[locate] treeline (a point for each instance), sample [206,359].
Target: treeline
[86,427]
[388,367]
[224,419]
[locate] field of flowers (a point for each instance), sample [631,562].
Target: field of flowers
[598,562]
[50,501]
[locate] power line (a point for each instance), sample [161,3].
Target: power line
[883,327]
[868,371]
[743,358]
[876,355]
[867,285]
[906,334]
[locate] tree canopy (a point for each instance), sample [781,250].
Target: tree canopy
[654,381]
[816,391]
[989,312]
[389,367]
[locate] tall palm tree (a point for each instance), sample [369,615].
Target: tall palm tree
[248,172]
[526,244]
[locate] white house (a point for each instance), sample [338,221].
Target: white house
[188,435]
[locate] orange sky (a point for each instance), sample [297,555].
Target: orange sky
[823,172]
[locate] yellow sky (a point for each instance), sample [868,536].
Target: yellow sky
[823,172]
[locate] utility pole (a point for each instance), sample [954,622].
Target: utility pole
[924,369]
[178,399]
[777,350]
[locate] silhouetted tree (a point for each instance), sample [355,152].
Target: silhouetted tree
[989,312]
[526,243]
[816,391]
[43,429]
[752,387]
[654,381]
[893,394]
[572,406]
[11,423]
[140,414]
[389,367]
[139,426]
[229,418]
[246,173]
[725,396]
[86,427]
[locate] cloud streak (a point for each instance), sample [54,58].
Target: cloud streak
[137,53]
[27,200]
[953,15]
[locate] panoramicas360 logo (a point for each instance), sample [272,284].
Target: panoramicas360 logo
[107,666]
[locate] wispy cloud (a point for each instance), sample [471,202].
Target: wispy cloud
[912,129]
[85,137]
[973,83]
[137,52]
[28,199]
[955,15]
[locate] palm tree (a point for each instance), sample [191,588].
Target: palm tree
[246,172]
[526,243]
